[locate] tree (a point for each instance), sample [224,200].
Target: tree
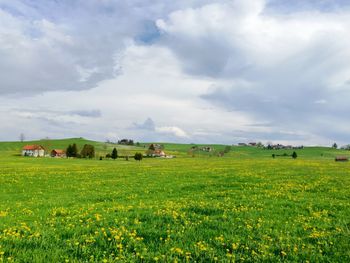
[126,142]
[69,151]
[138,156]
[294,155]
[335,146]
[227,149]
[152,147]
[259,145]
[114,154]
[88,151]
[74,150]
[22,137]
[273,156]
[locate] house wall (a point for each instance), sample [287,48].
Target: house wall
[33,153]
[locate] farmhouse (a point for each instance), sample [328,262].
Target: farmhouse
[33,150]
[58,153]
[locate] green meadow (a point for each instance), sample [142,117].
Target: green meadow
[242,207]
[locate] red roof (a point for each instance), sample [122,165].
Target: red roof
[33,147]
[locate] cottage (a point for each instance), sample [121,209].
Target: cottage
[58,153]
[341,159]
[33,151]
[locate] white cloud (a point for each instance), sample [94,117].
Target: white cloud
[172,130]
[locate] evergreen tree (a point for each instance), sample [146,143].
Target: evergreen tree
[74,150]
[294,155]
[114,154]
[69,151]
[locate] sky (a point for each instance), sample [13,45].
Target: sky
[191,71]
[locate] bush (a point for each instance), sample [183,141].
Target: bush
[227,149]
[108,155]
[138,156]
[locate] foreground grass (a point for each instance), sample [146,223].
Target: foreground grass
[184,209]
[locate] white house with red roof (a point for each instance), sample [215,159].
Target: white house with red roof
[33,151]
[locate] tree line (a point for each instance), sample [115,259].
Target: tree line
[88,151]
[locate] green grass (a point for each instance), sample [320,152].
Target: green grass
[244,207]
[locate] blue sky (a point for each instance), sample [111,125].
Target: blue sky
[221,71]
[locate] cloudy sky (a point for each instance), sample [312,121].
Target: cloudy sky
[215,71]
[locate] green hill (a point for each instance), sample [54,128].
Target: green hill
[179,150]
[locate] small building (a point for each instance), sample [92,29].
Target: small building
[33,151]
[341,159]
[206,149]
[158,153]
[58,153]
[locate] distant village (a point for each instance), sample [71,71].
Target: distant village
[271,146]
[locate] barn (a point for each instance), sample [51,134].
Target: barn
[33,151]
[58,153]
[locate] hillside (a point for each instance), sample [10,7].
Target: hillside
[179,150]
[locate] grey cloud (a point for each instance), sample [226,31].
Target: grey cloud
[269,69]
[55,116]
[148,124]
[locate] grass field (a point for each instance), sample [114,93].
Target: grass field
[244,207]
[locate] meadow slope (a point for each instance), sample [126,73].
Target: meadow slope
[244,207]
